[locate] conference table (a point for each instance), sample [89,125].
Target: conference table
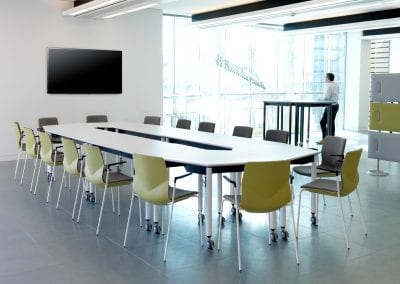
[299,104]
[207,153]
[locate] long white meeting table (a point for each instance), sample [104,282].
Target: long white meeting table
[210,153]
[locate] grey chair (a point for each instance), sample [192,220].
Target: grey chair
[332,152]
[243,131]
[43,121]
[96,118]
[183,123]
[155,120]
[280,136]
[205,126]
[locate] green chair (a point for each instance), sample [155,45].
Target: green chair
[265,189]
[100,175]
[20,143]
[152,185]
[32,150]
[340,188]
[51,156]
[73,165]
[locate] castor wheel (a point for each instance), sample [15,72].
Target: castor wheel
[210,244]
[284,234]
[157,229]
[233,210]
[313,220]
[149,227]
[240,216]
[92,198]
[87,195]
[273,236]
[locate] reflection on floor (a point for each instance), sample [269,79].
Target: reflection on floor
[40,244]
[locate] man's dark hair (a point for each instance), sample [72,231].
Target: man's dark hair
[330,76]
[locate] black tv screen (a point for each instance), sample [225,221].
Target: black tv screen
[84,71]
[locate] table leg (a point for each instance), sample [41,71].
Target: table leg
[329,114]
[281,118]
[208,201]
[308,125]
[290,124]
[219,194]
[277,117]
[264,120]
[301,125]
[296,125]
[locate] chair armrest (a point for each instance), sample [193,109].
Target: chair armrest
[229,180]
[181,177]
[114,164]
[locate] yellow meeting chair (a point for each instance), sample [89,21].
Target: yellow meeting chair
[101,175]
[32,150]
[73,165]
[339,188]
[21,145]
[51,156]
[152,185]
[265,189]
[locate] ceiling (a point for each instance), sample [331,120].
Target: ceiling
[291,11]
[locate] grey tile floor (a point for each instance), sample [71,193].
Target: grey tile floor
[39,244]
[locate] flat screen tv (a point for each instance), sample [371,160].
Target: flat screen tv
[84,71]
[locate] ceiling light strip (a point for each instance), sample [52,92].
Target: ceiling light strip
[131,10]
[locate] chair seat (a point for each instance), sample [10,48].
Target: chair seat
[23,147]
[306,171]
[117,179]
[180,194]
[323,186]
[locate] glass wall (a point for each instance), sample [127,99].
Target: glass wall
[224,74]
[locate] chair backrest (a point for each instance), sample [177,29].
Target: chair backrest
[151,179]
[183,123]
[277,136]
[243,131]
[349,172]
[30,141]
[155,120]
[18,133]
[71,157]
[46,148]
[94,164]
[96,118]
[265,186]
[332,152]
[47,121]
[206,126]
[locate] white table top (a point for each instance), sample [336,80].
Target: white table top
[243,150]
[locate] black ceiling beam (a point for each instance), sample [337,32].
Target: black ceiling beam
[80,2]
[349,19]
[245,8]
[385,31]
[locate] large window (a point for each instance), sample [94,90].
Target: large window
[224,74]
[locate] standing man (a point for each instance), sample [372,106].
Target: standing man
[331,94]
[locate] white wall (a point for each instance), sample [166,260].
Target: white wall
[28,27]
[395,55]
[357,82]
